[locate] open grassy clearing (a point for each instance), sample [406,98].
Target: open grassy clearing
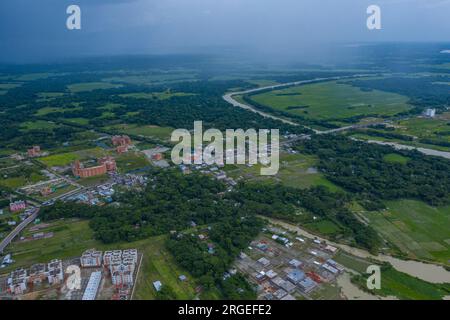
[65,159]
[156,95]
[37,125]
[72,237]
[296,170]
[417,229]
[332,100]
[131,161]
[90,86]
[155,78]
[395,158]
[421,127]
[162,133]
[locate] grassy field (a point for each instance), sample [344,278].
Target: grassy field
[438,127]
[332,100]
[38,124]
[395,158]
[296,170]
[64,159]
[395,283]
[90,86]
[156,77]
[130,161]
[155,95]
[417,229]
[72,237]
[162,133]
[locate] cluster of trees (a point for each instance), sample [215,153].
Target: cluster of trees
[388,135]
[283,202]
[229,235]
[171,202]
[361,168]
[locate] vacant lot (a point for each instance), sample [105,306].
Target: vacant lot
[332,100]
[64,159]
[296,170]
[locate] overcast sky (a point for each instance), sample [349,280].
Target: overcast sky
[36,29]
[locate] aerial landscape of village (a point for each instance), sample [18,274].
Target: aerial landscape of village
[112,180]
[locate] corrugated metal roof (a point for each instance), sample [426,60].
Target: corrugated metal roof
[91,290]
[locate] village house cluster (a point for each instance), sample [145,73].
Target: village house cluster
[284,269]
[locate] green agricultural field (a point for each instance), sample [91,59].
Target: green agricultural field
[90,86]
[64,159]
[7,86]
[436,128]
[296,170]
[156,95]
[72,237]
[46,110]
[332,100]
[157,77]
[151,131]
[38,124]
[17,176]
[417,229]
[395,158]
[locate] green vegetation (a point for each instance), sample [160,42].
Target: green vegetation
[65,159]
[152,131]
[90,86]
[417,229]
[317,207]
[395,158]
[155,95]
[71,237]
[332,101]
[393,282]
[296,170]
[361,168]
[130,161]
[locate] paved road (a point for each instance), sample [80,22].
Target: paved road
[18,229]
[229,97]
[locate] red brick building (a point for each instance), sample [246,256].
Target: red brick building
[121,143]
[34,152]
[106,164]
[121,140]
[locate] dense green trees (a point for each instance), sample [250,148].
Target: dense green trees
[283,202]
[361,168]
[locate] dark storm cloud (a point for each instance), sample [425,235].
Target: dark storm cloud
[36,29]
